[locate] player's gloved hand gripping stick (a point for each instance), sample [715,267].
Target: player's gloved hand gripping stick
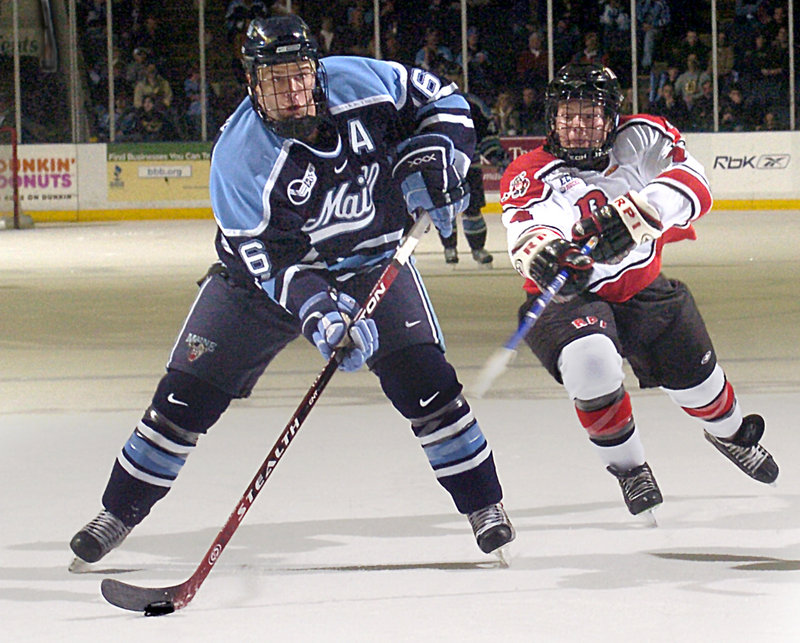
[501,358]
[154,601]
[609,234]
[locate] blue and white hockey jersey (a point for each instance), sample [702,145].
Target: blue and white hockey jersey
[294,219]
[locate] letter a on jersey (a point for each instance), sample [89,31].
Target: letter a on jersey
[360,140]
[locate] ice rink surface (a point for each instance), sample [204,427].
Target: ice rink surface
[352,539]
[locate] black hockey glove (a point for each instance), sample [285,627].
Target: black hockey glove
[621,225]
[427,174]
[542,254]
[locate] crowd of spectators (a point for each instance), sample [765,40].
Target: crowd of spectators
[506,57]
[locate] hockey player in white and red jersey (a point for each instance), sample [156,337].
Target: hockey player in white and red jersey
[630,182]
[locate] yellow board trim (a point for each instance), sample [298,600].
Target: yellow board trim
[142,214]
[722,204]
[122,215]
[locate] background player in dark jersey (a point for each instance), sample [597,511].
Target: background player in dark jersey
[312,181]
[487,145]
[631,182]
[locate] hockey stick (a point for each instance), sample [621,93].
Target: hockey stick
[155,601]
[502,357]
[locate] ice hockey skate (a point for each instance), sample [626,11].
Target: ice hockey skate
[450,255]
[745,452]
[97,538]
[639,489]
[483,258]
[493,530]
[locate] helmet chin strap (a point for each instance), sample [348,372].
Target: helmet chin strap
[302,129]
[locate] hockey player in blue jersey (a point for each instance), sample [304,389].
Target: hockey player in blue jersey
[313,179]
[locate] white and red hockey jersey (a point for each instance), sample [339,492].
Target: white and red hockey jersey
[649,156]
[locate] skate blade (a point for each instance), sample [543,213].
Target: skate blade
[649,518]
[503,555]
[79,566]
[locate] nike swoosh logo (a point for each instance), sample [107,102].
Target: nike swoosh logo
[424,403]
[410,324]
[174,400]
[338,170]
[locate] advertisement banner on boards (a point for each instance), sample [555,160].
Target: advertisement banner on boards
[147,172]
[47,177]
[515,146]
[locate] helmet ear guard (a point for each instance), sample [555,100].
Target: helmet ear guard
[277,41]
[594,84]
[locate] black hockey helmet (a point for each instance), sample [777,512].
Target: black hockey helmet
[278,41]
[596,86]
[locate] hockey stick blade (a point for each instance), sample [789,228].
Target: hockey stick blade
[156,601]
[139,599]
[496,365]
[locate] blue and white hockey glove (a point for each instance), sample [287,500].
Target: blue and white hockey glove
[430,180]
[326,317]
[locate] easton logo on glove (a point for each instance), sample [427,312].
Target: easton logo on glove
[430,179]
[416,161]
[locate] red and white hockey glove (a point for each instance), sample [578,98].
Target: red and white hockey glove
[621,225]
[541,254]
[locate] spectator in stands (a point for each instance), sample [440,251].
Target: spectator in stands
[778,82]
[691,44]
[480,70]
[726,61]
[532,63]
[565,41]
[327,38]
[445,17]
[763,22]
[702,110]
[432,52]
[779,20]
[506,115]
[688,85]
[531,112]
[734,114]
[615,24]
[155,85]
[652,17]
[6,109]
[389,18]
[763,73]
[125,119]
[238,15]
[391,49]
[669,75]
[355,34]
[769,123]
[746,9]
[615,30]
[193,116]
[152,123]
[591,52]
[670,107]
[154,38]
[135,69]
[94,32]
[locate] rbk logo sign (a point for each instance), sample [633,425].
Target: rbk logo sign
[762,162]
